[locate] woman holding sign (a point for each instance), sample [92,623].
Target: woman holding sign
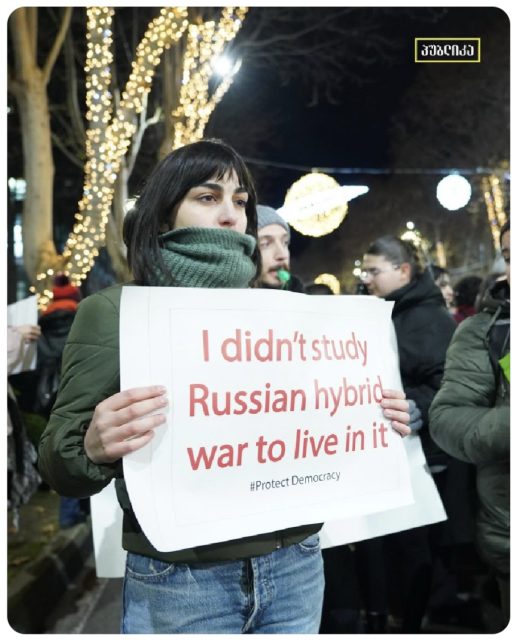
[194,225]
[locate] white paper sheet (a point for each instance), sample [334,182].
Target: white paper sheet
[20,313]
[427,507]
[302,439]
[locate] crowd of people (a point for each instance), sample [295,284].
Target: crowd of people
[197,223]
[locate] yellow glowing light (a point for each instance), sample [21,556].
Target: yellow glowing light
[316,204]
[205,42]
[330,281]
[321,223]
[412,236]
[495,206]
[441,255]
[110,132]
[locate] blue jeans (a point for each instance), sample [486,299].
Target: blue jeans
[281,592]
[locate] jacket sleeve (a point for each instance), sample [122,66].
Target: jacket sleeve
[425,353]
[90,374]
[464,420]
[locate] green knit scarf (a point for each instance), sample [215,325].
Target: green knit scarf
[206,258]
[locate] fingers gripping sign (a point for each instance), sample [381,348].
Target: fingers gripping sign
[395,409]
[124,423]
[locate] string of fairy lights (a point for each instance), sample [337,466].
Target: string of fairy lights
[108,137]
[205,43]
[495,206]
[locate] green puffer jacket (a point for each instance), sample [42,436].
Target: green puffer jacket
[90,374]
[469,419]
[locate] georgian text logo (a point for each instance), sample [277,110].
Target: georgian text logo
[447,49]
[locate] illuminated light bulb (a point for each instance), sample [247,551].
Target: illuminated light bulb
[454,192]
[222,65]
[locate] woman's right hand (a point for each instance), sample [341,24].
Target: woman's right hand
[119,427]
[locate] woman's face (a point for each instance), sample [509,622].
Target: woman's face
[446,289]
[216,204]
[382,277]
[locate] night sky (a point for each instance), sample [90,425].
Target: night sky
[356,133]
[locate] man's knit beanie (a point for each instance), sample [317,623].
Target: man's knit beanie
[268,215]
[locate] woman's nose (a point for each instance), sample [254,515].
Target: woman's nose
[227,216]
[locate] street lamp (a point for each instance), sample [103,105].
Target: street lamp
[454,192]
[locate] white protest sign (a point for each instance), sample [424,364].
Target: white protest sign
[427,508]
[274,419]
[18,314]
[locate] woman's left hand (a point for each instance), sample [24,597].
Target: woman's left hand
[395,409]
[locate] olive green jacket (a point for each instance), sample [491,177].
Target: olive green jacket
[470,420]
[90,374]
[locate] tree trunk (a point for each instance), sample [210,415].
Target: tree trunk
[38,244]
[114,242]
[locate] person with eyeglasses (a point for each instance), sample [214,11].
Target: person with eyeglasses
[393,270]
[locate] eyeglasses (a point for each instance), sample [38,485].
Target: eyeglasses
[375,272]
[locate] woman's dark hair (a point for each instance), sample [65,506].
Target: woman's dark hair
[175,175]
[398,251]
[466,290]
[437,273]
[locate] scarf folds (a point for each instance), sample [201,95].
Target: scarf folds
[205,258]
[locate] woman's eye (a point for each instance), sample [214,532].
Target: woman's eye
[242,203]
[207,198]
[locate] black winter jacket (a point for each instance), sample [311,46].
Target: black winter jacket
[424,329]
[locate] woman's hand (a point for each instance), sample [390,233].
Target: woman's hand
[395,409]
[121,423]
[30,332]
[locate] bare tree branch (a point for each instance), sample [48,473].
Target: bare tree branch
[32,22]
[72,90]
[79,162]
[58,42]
